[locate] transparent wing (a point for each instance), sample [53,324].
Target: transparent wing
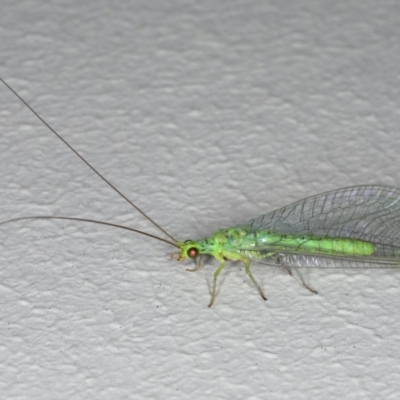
[317,261]
[368,213]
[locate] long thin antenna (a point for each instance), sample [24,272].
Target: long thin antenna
[86,162]
[92,221]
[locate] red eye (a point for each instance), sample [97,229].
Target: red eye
[192,252]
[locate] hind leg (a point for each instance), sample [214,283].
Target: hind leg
[303,282]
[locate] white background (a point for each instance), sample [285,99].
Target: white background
[206,114]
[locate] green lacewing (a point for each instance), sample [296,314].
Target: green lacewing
[355,226]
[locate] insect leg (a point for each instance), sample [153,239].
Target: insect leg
[282,265]
[214,288]
[247,269]
[303,282]
[198,266]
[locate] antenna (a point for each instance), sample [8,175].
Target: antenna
[88,164]
[91,221]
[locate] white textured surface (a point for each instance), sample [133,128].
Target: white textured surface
[206,114]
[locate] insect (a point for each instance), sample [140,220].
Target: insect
[349,227]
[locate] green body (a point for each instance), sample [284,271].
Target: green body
[240,240]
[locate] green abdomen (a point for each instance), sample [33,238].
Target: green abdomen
[272,242]
[328,246]
[337,246]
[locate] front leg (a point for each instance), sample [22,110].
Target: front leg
[198,266]
[216,273]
